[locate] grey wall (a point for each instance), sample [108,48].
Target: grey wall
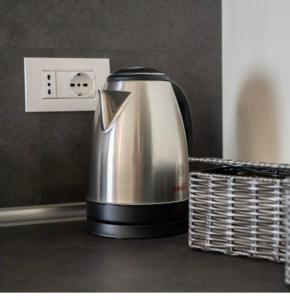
[44,157]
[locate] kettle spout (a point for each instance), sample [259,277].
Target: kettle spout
[110,104]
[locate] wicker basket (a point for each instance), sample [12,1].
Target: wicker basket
[287,265]
[238,208]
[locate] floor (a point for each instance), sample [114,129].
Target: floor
[63,258]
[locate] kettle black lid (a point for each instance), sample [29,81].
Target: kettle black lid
[138,73]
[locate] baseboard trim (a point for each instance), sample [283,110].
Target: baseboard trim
[28,215]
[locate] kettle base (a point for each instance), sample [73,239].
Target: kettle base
[137,221]
[136,231]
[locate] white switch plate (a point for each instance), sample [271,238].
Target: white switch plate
[59,96]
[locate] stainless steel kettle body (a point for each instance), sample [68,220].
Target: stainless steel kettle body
[139,163]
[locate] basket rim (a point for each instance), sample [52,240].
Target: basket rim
[245,178]
[238,163]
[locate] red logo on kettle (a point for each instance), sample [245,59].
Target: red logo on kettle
[179,188]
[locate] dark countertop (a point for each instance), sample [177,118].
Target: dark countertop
[63,258]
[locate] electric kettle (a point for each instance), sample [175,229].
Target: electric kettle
[138,185]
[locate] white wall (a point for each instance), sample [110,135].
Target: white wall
[256,80]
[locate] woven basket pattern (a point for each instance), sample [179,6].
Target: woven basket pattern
[238,215]
[287,265]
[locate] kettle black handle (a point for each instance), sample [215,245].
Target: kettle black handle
[186,115]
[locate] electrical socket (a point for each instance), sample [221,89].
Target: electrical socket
[82,84]
[63,72]
[68,85]
[48,84]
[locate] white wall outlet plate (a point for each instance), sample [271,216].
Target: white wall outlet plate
[63,84]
